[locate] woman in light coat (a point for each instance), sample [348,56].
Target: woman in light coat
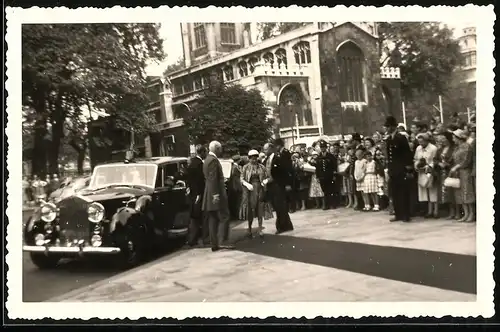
[462,169]
[252,177]
[425,155]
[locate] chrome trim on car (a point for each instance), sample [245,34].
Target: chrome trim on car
[76,250]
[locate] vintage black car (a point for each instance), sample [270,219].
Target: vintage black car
[128,210]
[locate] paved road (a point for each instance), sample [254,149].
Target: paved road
[340,255]
[41,285]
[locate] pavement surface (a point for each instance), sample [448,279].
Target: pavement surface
[336,255]
[41,285]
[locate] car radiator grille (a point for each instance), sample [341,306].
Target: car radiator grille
[73,220]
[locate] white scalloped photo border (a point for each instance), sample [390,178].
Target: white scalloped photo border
[482,16]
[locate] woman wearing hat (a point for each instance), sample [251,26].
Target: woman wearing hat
[252,177]
[425,155]
[462,169]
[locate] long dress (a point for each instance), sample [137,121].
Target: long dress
[315,190]
[254,205]
[444,155]
[428,153]
[463,156]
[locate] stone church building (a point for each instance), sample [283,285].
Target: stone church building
[321,79]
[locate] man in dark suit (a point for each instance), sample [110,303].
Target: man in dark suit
[214,203]
[326,166]
[400,166]
[196,183]
[280,168]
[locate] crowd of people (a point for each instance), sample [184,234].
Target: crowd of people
[428,171]
[36,189]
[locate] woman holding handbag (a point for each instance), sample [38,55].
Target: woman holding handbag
[443,162]
[425,155]
[252,178]
[462,169]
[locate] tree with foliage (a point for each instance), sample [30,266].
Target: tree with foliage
[178,65]
[272,29]
[232,115]
[426,53]
[429,58]
[70,70]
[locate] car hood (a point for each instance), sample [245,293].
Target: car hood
[112,199]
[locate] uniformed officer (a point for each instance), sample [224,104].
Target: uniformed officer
[326,166]
[400,166]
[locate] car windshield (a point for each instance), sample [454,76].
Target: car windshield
[127,174]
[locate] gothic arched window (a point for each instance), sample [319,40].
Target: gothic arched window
[198,84]
[268,59]
[228,73]
[351,65]
[281,58]
[243,69]
[302,53]
[252,63]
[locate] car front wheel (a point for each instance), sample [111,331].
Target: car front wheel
[44,262]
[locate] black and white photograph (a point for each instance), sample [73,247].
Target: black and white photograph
[181,163]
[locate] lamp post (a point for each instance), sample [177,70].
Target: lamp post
[289,103]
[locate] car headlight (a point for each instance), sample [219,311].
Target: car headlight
[95,212]
[96,240]
[48,212]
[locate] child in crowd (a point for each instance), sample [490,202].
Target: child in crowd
[359,173]
[381,179]
[370,183]
[348,180]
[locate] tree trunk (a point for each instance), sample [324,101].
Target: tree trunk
[80,148]
[57,135]
[80,160]
[39,156]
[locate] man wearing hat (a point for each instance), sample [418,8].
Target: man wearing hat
[326,166]
[280,168]
[356,141]
[400,166]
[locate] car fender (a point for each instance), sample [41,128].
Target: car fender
[122,217]
[142,203]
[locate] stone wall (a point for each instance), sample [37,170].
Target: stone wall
[371,116]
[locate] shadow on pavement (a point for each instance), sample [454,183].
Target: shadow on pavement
[448,271]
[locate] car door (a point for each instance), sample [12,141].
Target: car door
[171,199]
[180,197]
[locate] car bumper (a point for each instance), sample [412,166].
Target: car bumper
[72,250]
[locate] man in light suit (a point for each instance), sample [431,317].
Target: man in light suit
[215,203]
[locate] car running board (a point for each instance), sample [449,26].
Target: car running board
[177,232]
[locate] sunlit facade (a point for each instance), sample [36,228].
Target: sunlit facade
[321,79]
